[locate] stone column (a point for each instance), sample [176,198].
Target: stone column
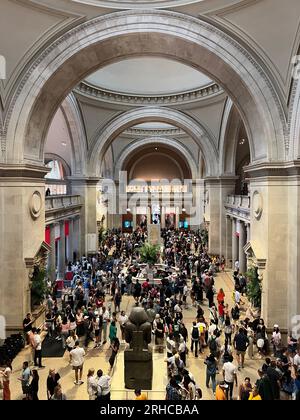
[247,232]
[242,243]
[234,243]
[22,232]
[87,188]
[52,257]
[275,220]
[70,247]
[61,252]
[228,249]
[76,237]
[218,188]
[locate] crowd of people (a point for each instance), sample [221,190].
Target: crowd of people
[224,329]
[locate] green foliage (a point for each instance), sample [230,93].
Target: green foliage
[254,288]
[38,286]
[149,253]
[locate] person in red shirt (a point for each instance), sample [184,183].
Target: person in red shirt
[221,296]
[221,312]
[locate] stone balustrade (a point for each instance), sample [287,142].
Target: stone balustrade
[58,207]
[238,206]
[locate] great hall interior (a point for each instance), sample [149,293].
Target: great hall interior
[172,116]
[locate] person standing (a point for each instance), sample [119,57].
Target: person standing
[52,382]
[37,348]
[123,318]
[34,386]
[230,376]
[5,374]
[211,371]
[91,384]
[77,360]
[241,343]
[195,335]
[27,326]
[26,373]
[112,331]
[106,320]
[103,386]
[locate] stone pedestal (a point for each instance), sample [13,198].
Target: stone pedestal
[138,365]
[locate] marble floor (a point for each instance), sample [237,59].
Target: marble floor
[98,359]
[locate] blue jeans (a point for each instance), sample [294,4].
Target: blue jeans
[213,380]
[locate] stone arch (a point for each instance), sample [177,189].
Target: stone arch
[171,143]
[231,123]
[54,156]
[120,35]
[104,137]
[77,134]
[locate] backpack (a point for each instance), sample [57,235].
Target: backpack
[213,345]
[195,333]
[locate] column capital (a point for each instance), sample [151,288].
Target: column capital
[23,171]
[272,169]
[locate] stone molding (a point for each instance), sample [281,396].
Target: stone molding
[137,4]
[154,132]
[273,169]
[110,96]
[25,171]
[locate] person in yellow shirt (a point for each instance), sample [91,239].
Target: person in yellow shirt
[139,396]
[254,395]
[220,391]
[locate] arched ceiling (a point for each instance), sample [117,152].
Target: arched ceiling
[156,161]
[148,76]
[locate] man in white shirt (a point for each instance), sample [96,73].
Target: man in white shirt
[77,360]
[103,386]
[123,318]
[37,342]
[229,374]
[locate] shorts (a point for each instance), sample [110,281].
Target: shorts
[77,368]
[25,389]
[240,353]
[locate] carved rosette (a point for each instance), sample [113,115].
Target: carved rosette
[35,205]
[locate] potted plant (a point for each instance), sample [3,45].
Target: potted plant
[254,288]
[149,254]
[38,286]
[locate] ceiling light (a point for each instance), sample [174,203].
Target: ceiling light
[128,210]
[242,141]
[156,148]
[63,143]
